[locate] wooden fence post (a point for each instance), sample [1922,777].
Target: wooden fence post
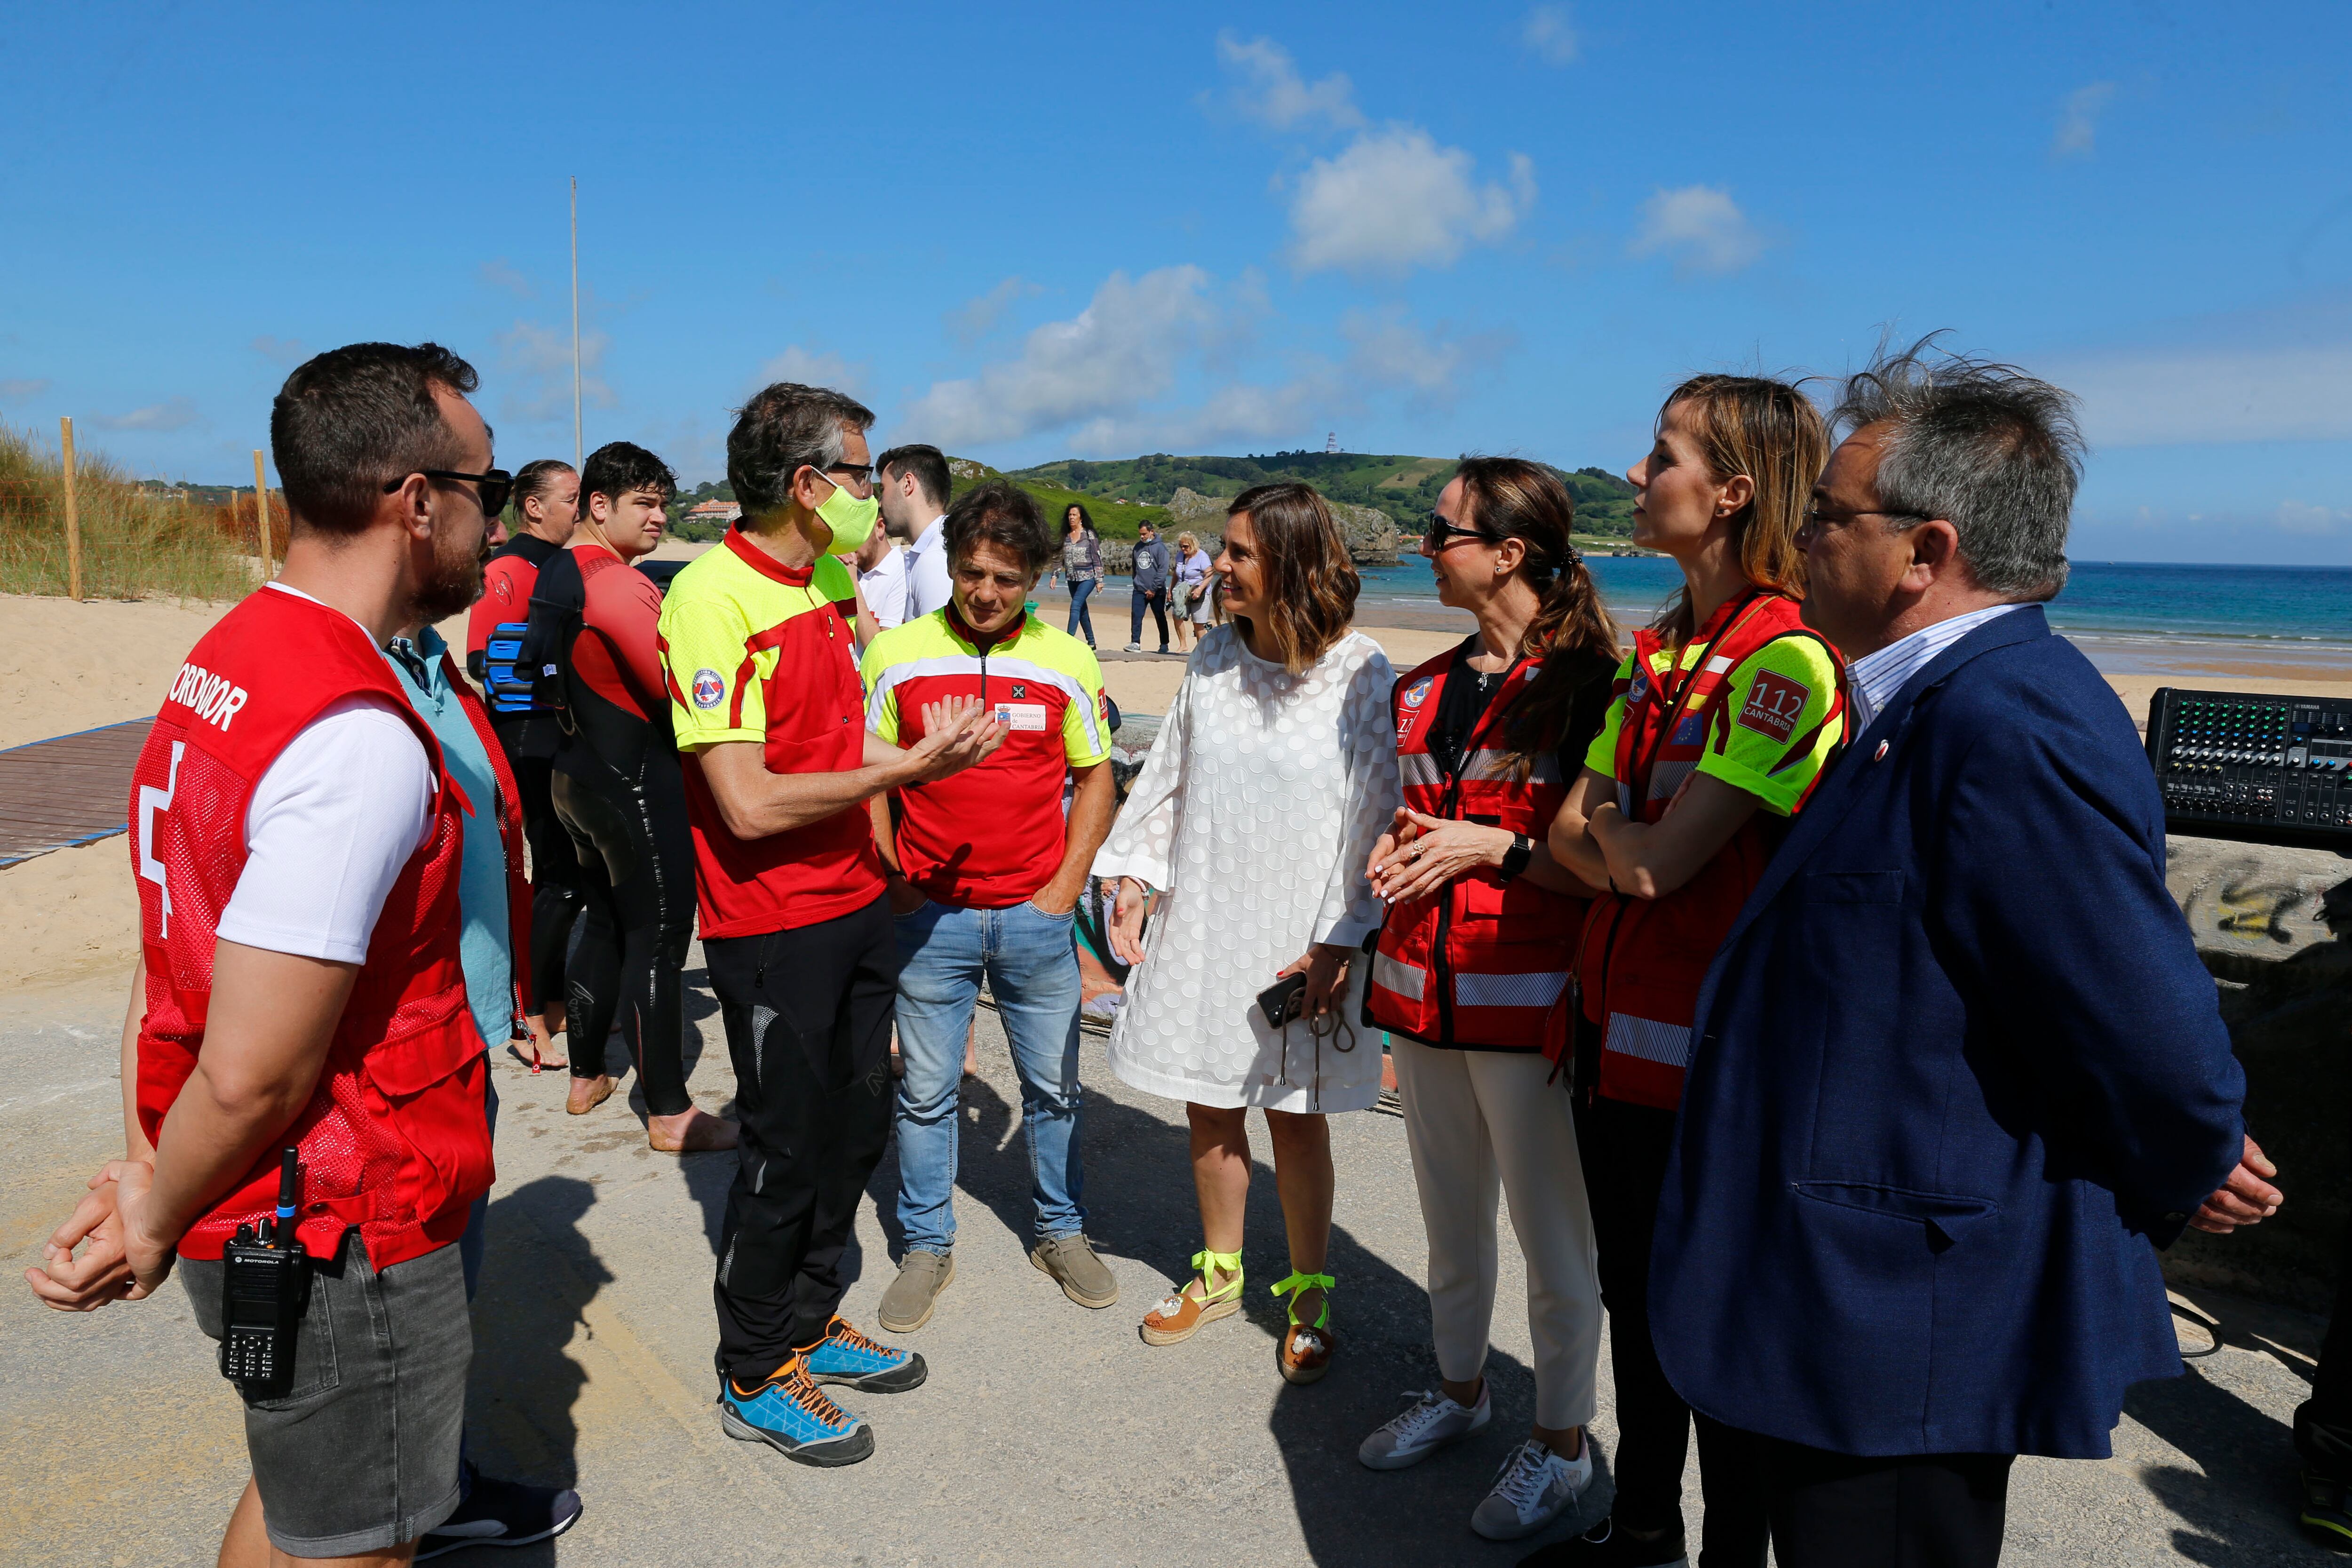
[261,511]
[73,517]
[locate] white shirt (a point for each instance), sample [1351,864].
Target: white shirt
[1875,678]
[1257,809]
[332,823]
[927,569]
[885,588]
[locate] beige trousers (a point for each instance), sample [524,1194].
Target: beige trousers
[1480,1123]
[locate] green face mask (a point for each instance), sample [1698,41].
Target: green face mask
[850,518]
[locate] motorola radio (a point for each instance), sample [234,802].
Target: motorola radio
[265,1286]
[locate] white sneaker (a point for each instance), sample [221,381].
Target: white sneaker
[1535,1487]
[1427,1425]
[1135,647]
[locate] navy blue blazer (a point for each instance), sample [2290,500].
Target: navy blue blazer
[1956,1073]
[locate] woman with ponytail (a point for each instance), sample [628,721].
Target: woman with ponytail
[1471,973]
[1725,715]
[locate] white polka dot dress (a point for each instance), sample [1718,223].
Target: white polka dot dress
[1256,810]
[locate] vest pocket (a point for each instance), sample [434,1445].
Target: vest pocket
[432,1086]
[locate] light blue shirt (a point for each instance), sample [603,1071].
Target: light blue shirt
[1872,679]
[485,945]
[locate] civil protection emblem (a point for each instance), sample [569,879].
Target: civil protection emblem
[708,689]
[1417,693]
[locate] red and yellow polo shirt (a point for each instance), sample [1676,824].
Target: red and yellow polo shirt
[990,837]
[759,652]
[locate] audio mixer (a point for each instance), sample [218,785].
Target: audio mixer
[2266,770]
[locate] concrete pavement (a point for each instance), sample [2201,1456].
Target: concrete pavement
[1047,1435]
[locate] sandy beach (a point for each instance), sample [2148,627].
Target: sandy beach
[65,667]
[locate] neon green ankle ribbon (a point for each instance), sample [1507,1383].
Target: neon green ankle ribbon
[1298,1285]
[1228,1263]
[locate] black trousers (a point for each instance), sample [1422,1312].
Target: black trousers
[2322,1423]
[1156,598]
[636,871]
[1916,1511]
[554,882]
[808,1015]
[1624,1150]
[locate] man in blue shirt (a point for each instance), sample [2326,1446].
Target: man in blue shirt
[1151,568]
[493,1512]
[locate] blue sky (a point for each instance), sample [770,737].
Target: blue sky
[1037,232]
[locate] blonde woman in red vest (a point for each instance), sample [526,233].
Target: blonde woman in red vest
[1725,715]
[1472,970]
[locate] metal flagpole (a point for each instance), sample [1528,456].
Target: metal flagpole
[579,447]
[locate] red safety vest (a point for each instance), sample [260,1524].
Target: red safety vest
[1640,961]
[1485,962]
[393,1140]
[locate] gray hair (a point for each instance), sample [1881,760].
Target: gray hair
[784,428]
[1984,446]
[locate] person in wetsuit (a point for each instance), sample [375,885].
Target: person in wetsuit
[619,793]
[546,505]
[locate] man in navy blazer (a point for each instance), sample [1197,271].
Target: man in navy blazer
[1958,1072]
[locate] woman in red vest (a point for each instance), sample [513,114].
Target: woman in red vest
[1472,970]
[1725,715]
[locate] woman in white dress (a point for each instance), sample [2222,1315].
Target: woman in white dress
[1271,779]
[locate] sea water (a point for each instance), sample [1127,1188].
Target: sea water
[2268,604]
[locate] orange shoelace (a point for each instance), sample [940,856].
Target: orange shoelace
[840,1330]
[793,1381]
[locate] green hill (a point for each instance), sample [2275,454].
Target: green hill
[1120,493]
[1406,487]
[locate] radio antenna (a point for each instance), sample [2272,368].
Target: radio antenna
[579,447]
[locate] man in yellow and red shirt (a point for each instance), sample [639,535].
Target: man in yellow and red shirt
[985,873]
[766,704]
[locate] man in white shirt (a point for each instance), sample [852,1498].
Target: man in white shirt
[914,493]
[882,579]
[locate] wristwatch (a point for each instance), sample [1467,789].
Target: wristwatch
[1516,859]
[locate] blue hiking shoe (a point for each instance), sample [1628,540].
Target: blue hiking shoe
[869,1366]
[791,1415]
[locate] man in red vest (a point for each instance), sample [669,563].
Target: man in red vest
[296,838]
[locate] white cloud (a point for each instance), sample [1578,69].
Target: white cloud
[498,275]
[1116,355]
[1239,411]
[1393,199]
[286,352]
[812,369]
[1701,227]
[17,388]
[540,360]
[2302,517]
[171,413]
[2218,395]
[1390,350]
[1268,88]
[2078,120]
[977,317]
[1549,36]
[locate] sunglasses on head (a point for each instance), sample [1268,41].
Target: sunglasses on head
[496,486]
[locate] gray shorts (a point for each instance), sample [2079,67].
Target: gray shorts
[362,1452]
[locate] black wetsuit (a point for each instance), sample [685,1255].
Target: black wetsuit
[618,790]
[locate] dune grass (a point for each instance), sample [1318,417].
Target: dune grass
[135,543]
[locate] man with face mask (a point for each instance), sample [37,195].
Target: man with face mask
[767,706]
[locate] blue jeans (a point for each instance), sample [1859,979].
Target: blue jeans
[1079,588]
[1033,971]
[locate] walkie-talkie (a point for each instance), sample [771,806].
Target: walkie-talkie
[265,1286]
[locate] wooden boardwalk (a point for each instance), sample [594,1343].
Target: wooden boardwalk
[67,790]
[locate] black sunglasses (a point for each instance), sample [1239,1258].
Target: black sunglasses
[496,486]
[1442,534]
